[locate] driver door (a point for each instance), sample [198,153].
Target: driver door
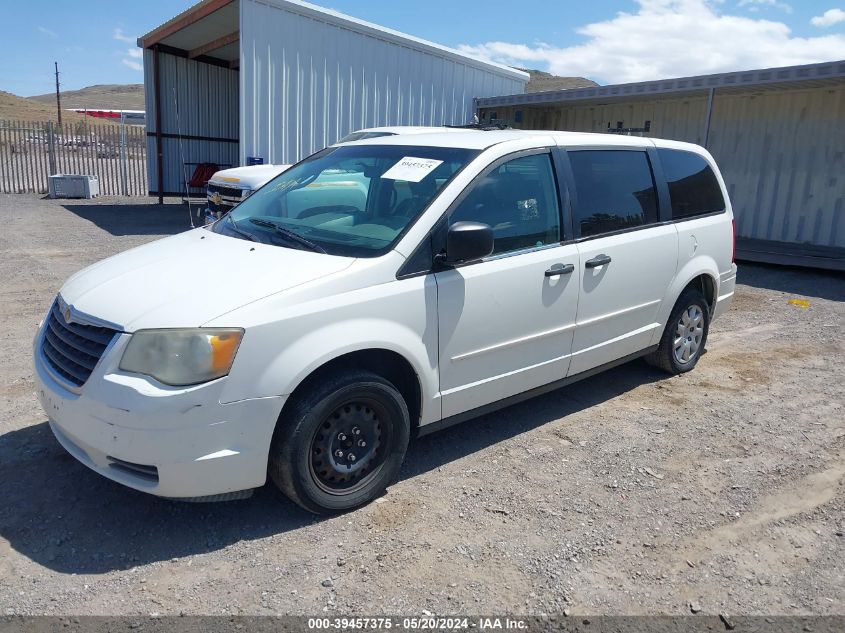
[506,322]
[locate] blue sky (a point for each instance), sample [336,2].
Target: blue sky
[608,41]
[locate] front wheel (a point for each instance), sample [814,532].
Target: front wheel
[683,340]
[341,444]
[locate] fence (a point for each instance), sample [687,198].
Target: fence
[115,154]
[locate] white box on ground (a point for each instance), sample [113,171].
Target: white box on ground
[73,186]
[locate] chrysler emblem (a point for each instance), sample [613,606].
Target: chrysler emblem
[64,310]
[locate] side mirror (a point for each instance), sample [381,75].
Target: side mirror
[468,241]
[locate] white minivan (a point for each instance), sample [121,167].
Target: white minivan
[457,273]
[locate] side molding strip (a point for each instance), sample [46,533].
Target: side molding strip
[445,423]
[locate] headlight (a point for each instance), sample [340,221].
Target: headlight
[182,357]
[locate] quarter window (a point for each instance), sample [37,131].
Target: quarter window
[615,190]
[693,188]
[518,199]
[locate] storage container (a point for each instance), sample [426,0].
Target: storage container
[73,186]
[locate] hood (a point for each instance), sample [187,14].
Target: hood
[252,176]
[188,279]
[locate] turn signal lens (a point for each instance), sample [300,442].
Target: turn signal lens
[223,348]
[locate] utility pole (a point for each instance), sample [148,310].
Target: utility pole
[58,95]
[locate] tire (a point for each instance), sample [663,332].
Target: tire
[691,309]
[315,468]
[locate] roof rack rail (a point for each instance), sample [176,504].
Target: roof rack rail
[486,127]
[628,131]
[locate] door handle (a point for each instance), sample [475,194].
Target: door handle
[598,260]
[559,269]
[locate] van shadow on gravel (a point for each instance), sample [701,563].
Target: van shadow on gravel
[136,219]
[69,519]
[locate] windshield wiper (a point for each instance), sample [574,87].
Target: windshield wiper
[289,235]
[240,231]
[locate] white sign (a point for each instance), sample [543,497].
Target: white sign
[412,169]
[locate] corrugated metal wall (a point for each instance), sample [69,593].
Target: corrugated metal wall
[784,159]
[197,99]
[679,119]
[307,81]
[782,153]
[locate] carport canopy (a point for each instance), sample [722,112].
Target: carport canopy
[207,32]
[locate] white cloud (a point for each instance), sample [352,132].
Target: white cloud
[132,64]
[668,38]
[829,18]
[119,35]
[46,31]
[133,55]
[756,5]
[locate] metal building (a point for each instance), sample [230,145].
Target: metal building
[280,79]
[778,135]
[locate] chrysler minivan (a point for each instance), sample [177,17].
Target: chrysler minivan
[378,290]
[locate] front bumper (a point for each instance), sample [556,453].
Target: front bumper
[170,442]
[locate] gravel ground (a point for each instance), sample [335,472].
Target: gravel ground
[627,493]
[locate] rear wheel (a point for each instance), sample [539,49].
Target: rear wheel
[683,340]
[341,444]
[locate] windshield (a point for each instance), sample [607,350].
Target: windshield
[354,201]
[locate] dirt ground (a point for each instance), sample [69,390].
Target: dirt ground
[627,493]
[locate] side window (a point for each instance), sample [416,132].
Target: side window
[518,200]
[693,187]
[615,190]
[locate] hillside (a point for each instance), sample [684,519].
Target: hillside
[13,107]
[100,97]
[131,97]
[542,81]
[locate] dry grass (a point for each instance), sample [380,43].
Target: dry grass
[100,97]
[15,108]
[542,81]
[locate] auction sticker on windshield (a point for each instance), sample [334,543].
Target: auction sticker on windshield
[412,169]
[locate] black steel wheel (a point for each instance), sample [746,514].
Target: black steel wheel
[341,443]
[348,447]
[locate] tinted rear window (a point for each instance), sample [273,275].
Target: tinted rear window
[693,187]
[615,190]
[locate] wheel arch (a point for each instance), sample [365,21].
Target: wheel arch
[387,363]
[705,283]
[700,273]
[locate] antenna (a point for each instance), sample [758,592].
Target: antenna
[58,94]
[182,157]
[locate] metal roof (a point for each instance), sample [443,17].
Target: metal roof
[211,29]
[804,76]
